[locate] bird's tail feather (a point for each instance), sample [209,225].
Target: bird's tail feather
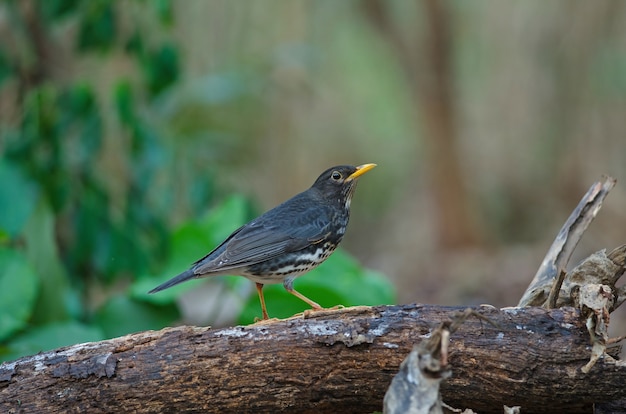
[183,277]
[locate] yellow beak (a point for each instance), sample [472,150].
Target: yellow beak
[360,170]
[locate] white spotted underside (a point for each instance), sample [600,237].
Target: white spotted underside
[305,262]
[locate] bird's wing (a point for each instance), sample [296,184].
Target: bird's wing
[265,238]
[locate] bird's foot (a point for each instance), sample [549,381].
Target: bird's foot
[259,321]
[307,313]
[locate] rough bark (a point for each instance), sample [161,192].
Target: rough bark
[335,361]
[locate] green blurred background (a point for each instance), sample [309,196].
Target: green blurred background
[135,135]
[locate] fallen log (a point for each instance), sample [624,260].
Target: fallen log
[328,361]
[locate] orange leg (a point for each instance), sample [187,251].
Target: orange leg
[259,289]
[300,296]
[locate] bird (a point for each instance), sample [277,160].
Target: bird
[286,241]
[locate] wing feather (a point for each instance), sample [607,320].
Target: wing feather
[266,237]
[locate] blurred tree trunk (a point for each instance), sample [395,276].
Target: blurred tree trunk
[428,69]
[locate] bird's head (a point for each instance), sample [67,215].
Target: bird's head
[338,183]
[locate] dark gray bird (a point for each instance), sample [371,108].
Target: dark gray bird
[286,241]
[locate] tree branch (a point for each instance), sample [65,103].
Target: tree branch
[565,242]
[331,361]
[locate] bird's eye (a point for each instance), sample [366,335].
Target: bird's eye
[336,175]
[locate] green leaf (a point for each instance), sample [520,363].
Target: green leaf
[48,337]
[79,101]
[190,242]
[57,9]
[164,11]
[18,291]
[135,44]
[93,228]
[18,196]
[6,69]
[161,68]
[125,103]
[122,315]
[79,112]
[42,252]
[97,27]
[376,289]
[227,217]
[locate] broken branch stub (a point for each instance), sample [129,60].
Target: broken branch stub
[565,242]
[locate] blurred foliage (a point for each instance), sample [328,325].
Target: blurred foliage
[94,182]
[18,292]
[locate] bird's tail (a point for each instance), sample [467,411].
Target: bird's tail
[183,277]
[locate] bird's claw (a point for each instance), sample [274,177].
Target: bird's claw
[259,321]
[307,313]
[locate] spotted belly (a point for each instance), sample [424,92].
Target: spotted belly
[289,265]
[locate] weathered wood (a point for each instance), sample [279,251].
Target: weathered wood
[415,389]
[337,361]
[557,258]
